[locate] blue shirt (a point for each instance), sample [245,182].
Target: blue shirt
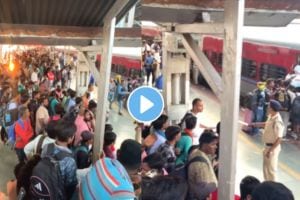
[149,60]
[160,140]
[71,104]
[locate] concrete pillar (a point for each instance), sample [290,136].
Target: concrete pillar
[103,81]
[231,77]
[176,89]
[176,67]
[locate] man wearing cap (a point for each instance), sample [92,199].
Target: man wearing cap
[273,132]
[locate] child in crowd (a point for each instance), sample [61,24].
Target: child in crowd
[109,142]
[83,151]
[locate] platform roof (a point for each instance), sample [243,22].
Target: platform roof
[58,22]
[257,13]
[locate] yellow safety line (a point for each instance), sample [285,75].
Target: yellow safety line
[282,165]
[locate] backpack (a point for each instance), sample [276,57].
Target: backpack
[12,132]
[182,121]
[77,149]
[182,170]
[46,181]
[10,116]
[282,97]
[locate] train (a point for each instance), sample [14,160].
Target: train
[259,61]
[126,62]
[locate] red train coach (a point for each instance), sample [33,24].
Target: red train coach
[259,61]
[124,65]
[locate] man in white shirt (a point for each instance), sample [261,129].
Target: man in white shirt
[42,116]
[34,76]
[196,111]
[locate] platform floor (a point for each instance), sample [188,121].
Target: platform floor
[249,154]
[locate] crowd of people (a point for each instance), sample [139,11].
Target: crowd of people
[152,63]
[51,129]
[286,92]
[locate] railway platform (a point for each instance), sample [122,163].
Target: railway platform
[249,153]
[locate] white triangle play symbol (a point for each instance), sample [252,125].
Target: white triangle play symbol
[145,104]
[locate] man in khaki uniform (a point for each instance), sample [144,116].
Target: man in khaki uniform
[273,133]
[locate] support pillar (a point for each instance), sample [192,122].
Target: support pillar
[176,89]
[234,18]
[103,83]
[176,65]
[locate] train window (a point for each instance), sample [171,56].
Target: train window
[271,71]
[248,68]
[214,58]
[220,60]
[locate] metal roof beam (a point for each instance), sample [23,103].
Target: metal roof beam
[20,30]
[206,68]
[116,9]
[200,28]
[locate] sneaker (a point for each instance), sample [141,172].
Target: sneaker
[120,113]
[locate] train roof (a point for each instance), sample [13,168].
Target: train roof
[128,52]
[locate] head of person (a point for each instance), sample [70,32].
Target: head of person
[208,142]
[247,186]
[91,88]
[35,95]
[152,165]
[78,100]
[269,190]
[155,188]
[109,138]
[87,95]
[197,105]
[65,131]
[24,112]
[88,115]
[17,169]
[173,133]
[270,83]
[87,137]
[59,109]
[161,123]
[92,106]
[44,100]
[190,122]
[261,85]
[72,93]
[130,154]
[51,129]
[24,97]
[108,128]
[274,107]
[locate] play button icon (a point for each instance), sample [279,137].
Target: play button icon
[145,104]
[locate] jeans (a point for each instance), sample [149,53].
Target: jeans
[258,116]
[111,97]
[21,154]
[120,104]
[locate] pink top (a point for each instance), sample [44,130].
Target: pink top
[81,125]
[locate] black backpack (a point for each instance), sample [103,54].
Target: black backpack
[46,181]
[182,121]
[182,170]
